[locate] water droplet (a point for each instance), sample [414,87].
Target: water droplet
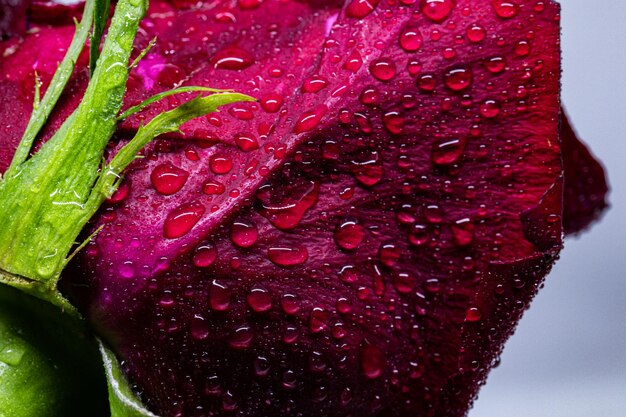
[212,187]
[349,234]
[404,282]
[199,327]
[367,168]
[458,79]
[127,270]
[372,361]
[288,256]
[290,303]
[219,296]
[313,84]
[437,10]
[489,108]
[272,102]
[476,33]
[411,40]
[168,179]
[343,306]
[220,164]
[205,255]
[505,9]
[289,380]
[361,8]
[261,366]
[354,61]
[463,232]
[495,65]
[318,320]
[232,59]
[419,234]
[120,194]
[310,119]
[383,69]
[259,299]
[241,338]
[473,314]
[393,122]
[389,253]
[427,83]
[369,96]
[182,219]
[246,142]
[447,151]
[522,48]
[286,212]
[244,233]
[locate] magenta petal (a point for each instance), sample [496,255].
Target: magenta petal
[346,245]
[586,186]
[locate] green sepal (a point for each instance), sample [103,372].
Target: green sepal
[43,108]
[102,8]
[122,400]
[49,363]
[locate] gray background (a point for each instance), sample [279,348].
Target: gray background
[568,356]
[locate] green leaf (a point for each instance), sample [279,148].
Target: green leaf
[49,364]
[102,8]
[187,89]
[122,400]
[42,109]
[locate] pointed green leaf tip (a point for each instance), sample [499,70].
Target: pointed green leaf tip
[46,200]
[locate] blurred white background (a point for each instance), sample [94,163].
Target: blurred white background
[568,356]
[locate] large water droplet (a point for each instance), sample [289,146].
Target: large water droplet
[220,164]
[458,79]
[219,296]
[199,327]
[182,219]
[437,10]
[232,58]
[349,234]
[372,361]
[259,299]
[246,142]
[241,338]
[318,320]
[205,255]
[288,255]
[383,69]
[168,179]
[286,211]
[310,119]
[314,84]
[244,233]
[361,8]
[404,282]
[447,151]
[411,39]
[505,8]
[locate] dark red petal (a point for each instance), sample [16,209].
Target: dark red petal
[586,186]
[12,18]
[403,200]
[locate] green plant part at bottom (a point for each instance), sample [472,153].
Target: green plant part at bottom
[49,367]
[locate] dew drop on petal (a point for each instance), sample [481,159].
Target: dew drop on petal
[288,255]
[205,255]
[259,299]
[411,40]
[437,10]
[244,233]
[373,361]
[168,179]
[383,69]
[232,59]
[219,296]
[349,234]
[182,219]
[361,8]
[458,79]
